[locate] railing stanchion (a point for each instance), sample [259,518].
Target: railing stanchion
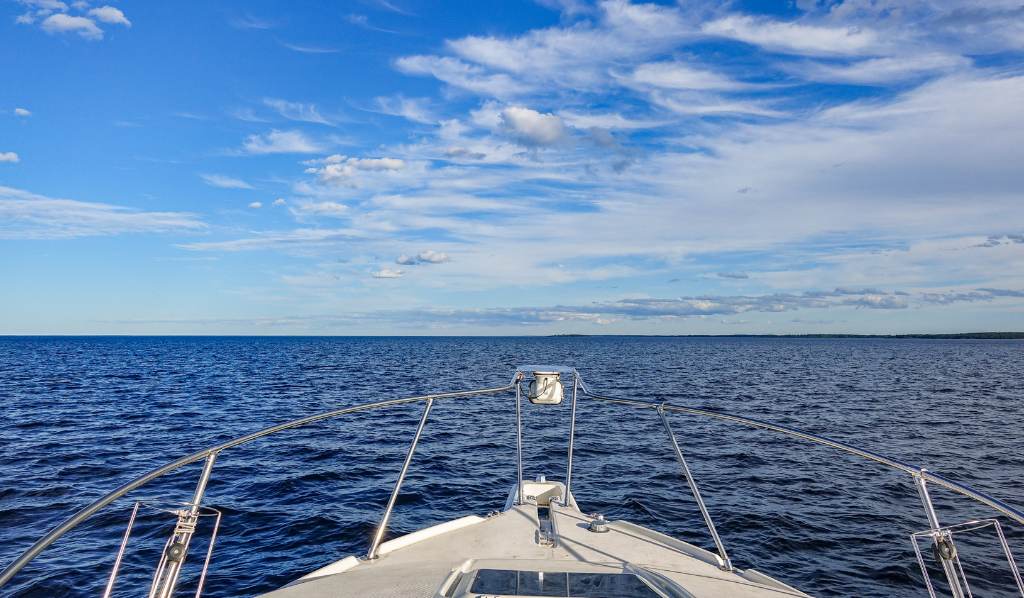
[572,437]
[173,558]
[519,441]
[120,552]
[941,541]
[726,563]
[383,526]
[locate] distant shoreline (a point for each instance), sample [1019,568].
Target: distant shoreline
[958,335]
[949,336]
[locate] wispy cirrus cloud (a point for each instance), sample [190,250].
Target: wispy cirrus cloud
[299,111]
[26,215]
[224,182]
[282,142]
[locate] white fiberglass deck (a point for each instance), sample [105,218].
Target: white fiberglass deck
[443,561]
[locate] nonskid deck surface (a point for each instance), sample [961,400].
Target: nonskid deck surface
[512,540]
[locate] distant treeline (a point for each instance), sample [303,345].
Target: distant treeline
[964,335]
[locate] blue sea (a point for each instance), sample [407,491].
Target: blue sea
[84,415]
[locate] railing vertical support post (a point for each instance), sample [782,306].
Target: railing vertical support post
[166,578]
[383,526]
[120,552]
[519,441]
[726,563]
[938,537]
[572,437]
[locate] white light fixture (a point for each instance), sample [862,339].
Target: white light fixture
[545,388]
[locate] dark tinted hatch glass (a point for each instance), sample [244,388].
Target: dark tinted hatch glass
[547,583]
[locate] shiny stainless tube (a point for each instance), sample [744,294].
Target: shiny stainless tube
[572,437]
[726,563]
[933,478]
[383,526]
[76,519]
[166,578]
[948,567]
[519,441]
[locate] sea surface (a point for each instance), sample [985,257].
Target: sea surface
[84,415]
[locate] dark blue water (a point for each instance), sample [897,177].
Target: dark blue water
[81,416]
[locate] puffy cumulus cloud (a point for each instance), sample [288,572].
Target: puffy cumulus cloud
[224,182]
[423,257]
[25,215]
[255,205]
[531,127]
[109,14]
[23,112]
[280,201]
[338,169]
[9,157]
[57,17]
[64,23]
[388,273]
[281,142]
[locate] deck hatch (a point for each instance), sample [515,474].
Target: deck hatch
[505,582]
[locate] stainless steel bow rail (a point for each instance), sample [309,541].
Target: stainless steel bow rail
[175,550]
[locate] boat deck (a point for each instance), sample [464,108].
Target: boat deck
[433,562]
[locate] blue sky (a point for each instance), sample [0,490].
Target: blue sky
[559,166]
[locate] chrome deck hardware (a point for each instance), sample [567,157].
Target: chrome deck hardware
[187,519]
[176,549]
[944,551]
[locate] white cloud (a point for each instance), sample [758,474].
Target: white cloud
[298,111]
[109,14]
[332,209]
[796,38]
[532,127]
[338,169]
[281,142]
[676,75]
[578,56]
[225,182]
[25,215]
[248,21]
[881,70]
[414,109]
[457,73]
[22,112]
[309,49]
[607,120]
[424,257]
[305,238]
[701,104]
[388,273]
[280,201]
[63,23]
[255,205]
[10,157]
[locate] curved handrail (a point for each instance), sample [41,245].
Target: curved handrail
[56,533]
[918,472]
